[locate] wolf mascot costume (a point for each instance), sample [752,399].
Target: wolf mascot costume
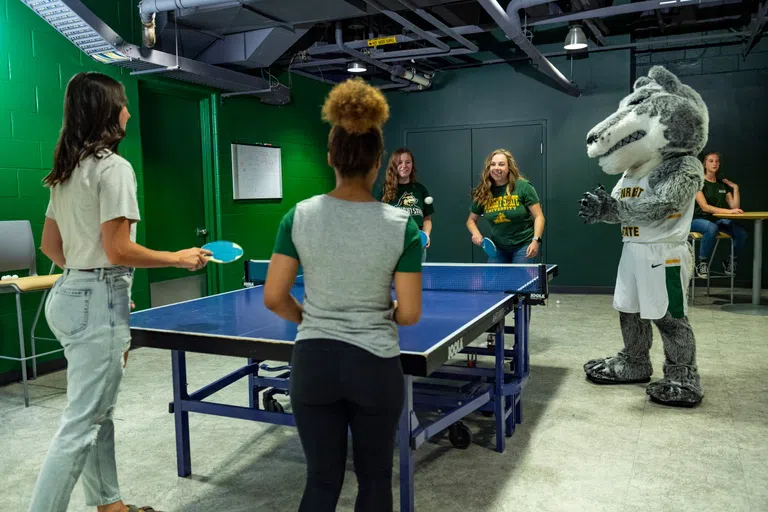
[651,140]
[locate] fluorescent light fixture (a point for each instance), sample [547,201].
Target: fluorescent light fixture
[63,16]
[575,40]
[667,2]
[356,67]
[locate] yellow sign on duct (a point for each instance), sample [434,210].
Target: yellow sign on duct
[382,40]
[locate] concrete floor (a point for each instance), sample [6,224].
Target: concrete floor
[580,447]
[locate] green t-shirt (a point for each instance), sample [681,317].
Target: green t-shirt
[410,197]
[509,216]
[715,194]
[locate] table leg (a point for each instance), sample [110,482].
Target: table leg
[407,492]
[181,417]
[499,399]
[754,307]
[757,262]
[253,395]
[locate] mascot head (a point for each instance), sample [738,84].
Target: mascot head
[662,118]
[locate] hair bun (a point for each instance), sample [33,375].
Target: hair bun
[356,106]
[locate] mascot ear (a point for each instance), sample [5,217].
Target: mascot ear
[642,82]
[665,79]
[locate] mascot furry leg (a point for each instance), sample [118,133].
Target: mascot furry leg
[651,140]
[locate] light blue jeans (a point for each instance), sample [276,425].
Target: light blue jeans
[89,314]
[516,255]
[709,231]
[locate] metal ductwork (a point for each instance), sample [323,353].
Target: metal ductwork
[509,22]
[257,48]
[149,8]
[96,39]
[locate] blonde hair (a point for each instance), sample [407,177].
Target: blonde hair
[482,193]
[391,176]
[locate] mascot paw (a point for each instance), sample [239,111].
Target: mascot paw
[593,205]
[675,393]
[618,370]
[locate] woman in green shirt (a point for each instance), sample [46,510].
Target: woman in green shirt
[718,195]
[403,191]
[510,204]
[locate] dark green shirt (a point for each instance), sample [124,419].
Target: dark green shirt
[509,215]
[715,194]
[410,197]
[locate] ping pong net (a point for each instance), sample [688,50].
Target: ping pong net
[530,279]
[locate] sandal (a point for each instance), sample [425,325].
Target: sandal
[134,508]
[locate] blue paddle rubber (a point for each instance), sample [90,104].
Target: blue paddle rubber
[424,238]
[489,247]
[223,251]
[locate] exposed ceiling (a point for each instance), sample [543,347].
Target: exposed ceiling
[256,40]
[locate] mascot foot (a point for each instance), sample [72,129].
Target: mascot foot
[618,370]
[680,387]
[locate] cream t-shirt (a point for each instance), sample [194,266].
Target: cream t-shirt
[99,190]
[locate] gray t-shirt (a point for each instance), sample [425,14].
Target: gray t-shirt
[349,252]
[99,190]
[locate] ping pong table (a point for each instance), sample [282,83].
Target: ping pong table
[460,303]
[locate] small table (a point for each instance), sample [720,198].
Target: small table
[757,264]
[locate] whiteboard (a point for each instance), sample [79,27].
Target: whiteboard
[257,171]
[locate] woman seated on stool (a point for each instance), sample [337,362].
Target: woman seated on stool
[719,195]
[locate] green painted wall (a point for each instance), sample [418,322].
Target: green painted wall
[302,136]
[35,65]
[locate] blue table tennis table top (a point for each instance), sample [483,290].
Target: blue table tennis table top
[456,298]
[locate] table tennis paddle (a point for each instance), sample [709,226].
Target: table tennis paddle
[223,251]
[489,247]
[424,238]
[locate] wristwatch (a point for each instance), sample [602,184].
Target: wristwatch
[538,239]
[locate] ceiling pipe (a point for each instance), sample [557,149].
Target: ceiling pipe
[509,22]
[149,8]
[365,58]
[322,49]
[398,56]
[440,25]
[625,9]
[383,9]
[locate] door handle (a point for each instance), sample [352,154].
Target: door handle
[202,232]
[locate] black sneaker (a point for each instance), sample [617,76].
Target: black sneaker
[729,267]
[701,269]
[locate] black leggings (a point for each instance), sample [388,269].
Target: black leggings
[336,386]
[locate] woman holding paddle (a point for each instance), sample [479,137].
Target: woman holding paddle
[510,204]
[90,233]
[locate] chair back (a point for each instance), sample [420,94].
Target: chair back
[17,246]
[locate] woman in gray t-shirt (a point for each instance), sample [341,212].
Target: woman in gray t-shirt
[346,371]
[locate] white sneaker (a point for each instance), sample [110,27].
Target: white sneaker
[701,269]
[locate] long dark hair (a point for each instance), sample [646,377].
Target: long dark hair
[92,106]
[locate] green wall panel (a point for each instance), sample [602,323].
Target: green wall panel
[302,136]
[35,64]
